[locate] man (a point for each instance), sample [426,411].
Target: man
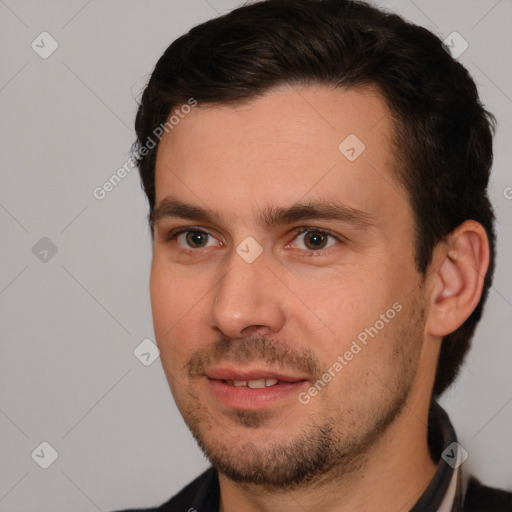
[323,248]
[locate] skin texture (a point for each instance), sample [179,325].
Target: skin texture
[296,308]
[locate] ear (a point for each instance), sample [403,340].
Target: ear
[456,278]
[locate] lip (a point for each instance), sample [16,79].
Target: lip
[247,399]
[226,373]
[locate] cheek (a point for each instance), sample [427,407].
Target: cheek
[350,308]
[342,302]
[172,296]
[176,306]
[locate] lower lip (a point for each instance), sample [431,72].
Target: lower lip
[247,399]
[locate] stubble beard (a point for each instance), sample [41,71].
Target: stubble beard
[321,451]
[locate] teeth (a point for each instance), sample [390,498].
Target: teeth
[255,383]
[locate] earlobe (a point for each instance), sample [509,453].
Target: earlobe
[461,262]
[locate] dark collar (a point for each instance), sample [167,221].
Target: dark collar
[440,436]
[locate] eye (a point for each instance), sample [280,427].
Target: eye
[194,239]
[314,240]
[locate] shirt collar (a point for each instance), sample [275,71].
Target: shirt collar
[441,440]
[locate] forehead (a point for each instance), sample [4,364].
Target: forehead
[291,143]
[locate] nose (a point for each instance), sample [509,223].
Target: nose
[249,299]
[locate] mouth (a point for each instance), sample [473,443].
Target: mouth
[253,389]
[253,383]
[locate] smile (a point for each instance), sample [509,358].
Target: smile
[253,389]
[253,384]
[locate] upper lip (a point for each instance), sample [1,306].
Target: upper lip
[246,374]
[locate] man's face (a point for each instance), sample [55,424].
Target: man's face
[286,304]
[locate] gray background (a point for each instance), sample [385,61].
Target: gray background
[68,375]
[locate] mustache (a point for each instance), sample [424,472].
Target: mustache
[256,348]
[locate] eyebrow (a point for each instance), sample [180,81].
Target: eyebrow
[271,217]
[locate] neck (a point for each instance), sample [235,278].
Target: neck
[392,475]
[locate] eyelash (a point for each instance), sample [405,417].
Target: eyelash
[298,231]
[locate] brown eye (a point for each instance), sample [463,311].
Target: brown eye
[311,240]
[196,239]
[315,240]
[193,239]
